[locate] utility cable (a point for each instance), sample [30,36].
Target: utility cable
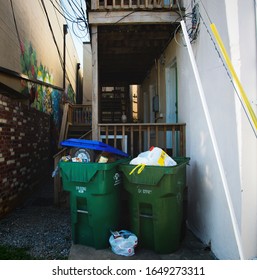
[75,16]
[52,32]
[18,35]
[180,11]
[63,13]
[193,16]
[54,39]
[61,30]
[124,17]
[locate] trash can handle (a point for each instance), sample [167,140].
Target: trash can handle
[146,216]
[141,167]
[82,211]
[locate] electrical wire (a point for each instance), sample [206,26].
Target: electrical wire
[61,30]
[73,12]
[124,17]
[54,39]
[175,36]
[63,13]
[180,11]
[74,5]
[193,34]
[200,1]
[52,32]
[192,21]
[18,34]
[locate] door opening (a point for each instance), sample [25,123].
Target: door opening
[171,98]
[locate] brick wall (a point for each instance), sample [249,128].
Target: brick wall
[24,151]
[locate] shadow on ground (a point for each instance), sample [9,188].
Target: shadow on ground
[191,249]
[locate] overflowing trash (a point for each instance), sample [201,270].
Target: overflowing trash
[154,156]
[86,151]
[123,242]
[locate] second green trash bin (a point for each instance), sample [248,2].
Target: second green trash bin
[156,204]
[94,200]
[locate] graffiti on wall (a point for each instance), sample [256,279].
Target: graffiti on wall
[42,97]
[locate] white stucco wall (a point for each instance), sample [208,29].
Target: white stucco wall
[209,214]
[87,73]
[247,142]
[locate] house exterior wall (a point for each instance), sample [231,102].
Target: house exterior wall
[87,73]
[24,151]
[33,31]
[248,144]
[27,47]
[208,211]
[148,89]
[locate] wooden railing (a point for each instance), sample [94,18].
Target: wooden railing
[80,114]
[132,4]
[74,115]
[134,138]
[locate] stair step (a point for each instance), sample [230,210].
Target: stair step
[85,127]
[76,131]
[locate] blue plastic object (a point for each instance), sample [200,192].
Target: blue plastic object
[93,145]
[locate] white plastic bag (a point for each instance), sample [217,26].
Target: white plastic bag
[123,243]
[155,156]
[142,158]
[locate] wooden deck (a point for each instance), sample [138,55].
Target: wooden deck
[132,4]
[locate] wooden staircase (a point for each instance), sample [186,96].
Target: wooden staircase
[76,121]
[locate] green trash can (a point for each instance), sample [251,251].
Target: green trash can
[94,200]
[155,198]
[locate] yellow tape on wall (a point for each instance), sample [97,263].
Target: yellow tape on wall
[234,75]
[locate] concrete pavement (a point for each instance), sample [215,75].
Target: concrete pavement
[191,249]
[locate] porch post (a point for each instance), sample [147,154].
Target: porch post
[95,83]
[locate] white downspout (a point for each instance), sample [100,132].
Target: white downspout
[255,3]
[214,142]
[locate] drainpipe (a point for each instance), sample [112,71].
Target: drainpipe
[214,143]
[65,32]
[255,4]
[78,89]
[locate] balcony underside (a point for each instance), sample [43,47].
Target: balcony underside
[131,36]
[126,53]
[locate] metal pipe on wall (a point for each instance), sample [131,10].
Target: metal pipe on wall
[65,32]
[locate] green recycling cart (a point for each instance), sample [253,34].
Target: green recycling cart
[94,200]
[155,198]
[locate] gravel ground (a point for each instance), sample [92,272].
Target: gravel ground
[40,227]
[45,231]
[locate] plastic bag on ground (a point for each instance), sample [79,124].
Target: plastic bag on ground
[123,243]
